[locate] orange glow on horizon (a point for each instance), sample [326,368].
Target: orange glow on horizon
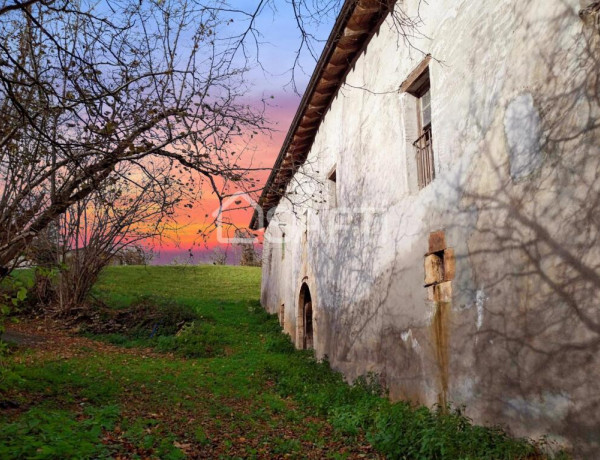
[189,231]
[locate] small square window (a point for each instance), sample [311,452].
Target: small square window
[332,188]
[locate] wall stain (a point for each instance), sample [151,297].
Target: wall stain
[440,340]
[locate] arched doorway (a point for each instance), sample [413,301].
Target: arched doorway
[305,319]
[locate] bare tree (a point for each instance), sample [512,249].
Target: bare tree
[85,87]
[219,256]
[93,232]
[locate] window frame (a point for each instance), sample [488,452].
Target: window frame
[418,84]
[332,187]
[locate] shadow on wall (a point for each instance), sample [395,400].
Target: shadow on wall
[359,290]
[531,344]
[524,214]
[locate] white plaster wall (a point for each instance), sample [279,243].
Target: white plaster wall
[515,128]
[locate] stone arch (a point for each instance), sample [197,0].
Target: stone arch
[305,319]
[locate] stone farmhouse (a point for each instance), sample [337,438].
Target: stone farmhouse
[433,216]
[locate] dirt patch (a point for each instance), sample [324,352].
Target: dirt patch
[50,341]
[17,338]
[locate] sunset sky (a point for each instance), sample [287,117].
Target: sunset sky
[279,42]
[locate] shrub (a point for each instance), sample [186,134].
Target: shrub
[13,293]
[397,430]
[402,431]
[147,317]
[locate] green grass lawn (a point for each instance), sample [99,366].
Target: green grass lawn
[229,385]
[199,287]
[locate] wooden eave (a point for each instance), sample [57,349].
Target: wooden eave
[356,24]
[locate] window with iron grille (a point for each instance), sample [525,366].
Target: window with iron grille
[424,143]
[418,85]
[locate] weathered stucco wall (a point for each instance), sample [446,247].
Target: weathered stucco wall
[515,100]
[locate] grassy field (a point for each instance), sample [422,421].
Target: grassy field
[227,385]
